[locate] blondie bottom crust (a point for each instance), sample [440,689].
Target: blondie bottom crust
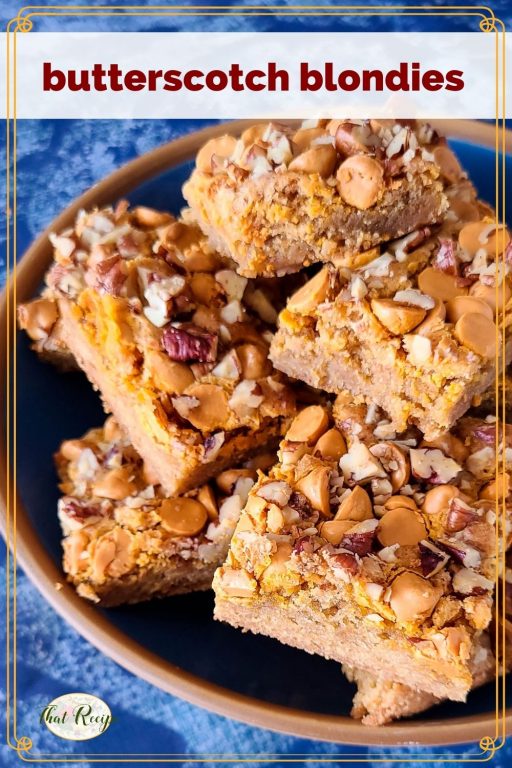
[175,341]
[124,539]
[373,549]
[378,701]
[278,198]
[415,330]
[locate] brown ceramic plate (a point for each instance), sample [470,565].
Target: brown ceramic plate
[175,644]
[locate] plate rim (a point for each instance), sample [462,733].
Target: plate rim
[92,625]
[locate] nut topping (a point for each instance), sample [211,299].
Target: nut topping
[397,318]
[309,425]
[395,461]
[189,342]
[360,181]
[183,516]
[307,298]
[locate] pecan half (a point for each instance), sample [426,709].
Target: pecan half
[188,342]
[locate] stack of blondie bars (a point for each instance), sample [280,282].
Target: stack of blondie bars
[301,372]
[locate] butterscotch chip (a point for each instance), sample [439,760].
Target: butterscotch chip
[205,288]
[397,318]
[400,502]
[331,445]
[169,376]
[227,480]
[315,487]
[495,298]
[434,319]
[482,235]
[439,285]
[71,449]
[401,526]
[112,430]
[308,425]
[458,306]
[413,597]
[319,159]
[254,361]
[497,489]
[38,317]
[115,484]
[307,298]
[448,163]
[438,499]
[182,516]
[334,530]
[223,146]
[149,217]
[356,506]
[206,497]
[254,134]
[360,181]
[476,332]
[212,409]
[304,136]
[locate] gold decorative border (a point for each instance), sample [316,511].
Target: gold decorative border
[23,23]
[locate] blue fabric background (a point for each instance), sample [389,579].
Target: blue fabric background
[57,160]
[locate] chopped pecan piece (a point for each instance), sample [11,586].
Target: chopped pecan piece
[189,342]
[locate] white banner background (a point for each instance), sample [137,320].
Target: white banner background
[474,53]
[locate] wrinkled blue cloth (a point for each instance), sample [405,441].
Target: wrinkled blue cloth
[58,160]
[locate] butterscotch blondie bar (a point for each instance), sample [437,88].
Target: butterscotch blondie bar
[414,331]
[374,549]
[124,539]
[175,341]
[278,198]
